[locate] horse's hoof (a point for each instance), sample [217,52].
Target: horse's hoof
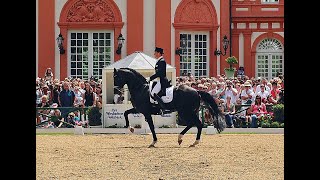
[179,141]
[192,145]
[131,130]
[151,146]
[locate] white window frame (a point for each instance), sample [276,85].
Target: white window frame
[193,33]
[269,2]
[269,53]
[90,48]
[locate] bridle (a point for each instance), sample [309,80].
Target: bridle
[117,87]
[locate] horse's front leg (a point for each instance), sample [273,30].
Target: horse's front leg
[150,122]
[126,113]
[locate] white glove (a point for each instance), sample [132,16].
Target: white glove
[148,79]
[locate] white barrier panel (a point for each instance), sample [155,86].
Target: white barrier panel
[211,130]
[165,120]
[114,115]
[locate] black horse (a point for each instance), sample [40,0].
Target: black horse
[186,101]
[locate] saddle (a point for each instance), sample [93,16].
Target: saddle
[155,87]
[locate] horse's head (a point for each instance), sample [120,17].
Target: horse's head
[119,78]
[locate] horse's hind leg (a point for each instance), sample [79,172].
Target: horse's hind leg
[150,122]
[182,133]
[199,127]
[184,117]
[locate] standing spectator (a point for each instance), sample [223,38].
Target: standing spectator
[45,91]
[48,76]
[257,111]
[66,96]
[228,108]
[38,95]
[247,95]
[66,99]
[82,87]
[89,96]
[240,71]
[55,93]
[78,99]
[99,97]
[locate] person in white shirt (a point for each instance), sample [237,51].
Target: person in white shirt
[230,91]
[263,93]
[247,95]
[118,98]
[263,81]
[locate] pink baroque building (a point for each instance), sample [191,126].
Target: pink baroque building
[91,29]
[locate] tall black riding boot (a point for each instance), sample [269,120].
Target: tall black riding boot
[159,100]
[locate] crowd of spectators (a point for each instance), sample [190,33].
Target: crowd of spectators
[253,94]
[71,92]
[257,93]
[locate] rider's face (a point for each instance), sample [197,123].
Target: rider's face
[156,54]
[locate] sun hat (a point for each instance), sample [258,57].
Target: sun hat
[247,84]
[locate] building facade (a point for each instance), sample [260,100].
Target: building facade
[90,31]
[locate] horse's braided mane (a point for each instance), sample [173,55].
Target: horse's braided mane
[138,75]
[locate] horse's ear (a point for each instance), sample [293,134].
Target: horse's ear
[115,70]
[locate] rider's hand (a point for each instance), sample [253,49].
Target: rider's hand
[148,79]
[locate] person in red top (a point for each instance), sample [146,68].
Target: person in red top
[275,91]
[257,110]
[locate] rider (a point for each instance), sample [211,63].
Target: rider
[160,70]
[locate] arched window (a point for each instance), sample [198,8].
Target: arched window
[269,58]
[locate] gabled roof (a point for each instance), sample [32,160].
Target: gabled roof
[136,60]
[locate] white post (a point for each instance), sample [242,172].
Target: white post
[125,89]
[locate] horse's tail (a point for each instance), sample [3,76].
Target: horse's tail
[219,123]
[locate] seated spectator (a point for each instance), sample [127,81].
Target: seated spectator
[56,117]
[263,93]
[194,85]
[257,111]
[228,109]
[275,91]
[208,117]
[230,91]
[247,95]
[281,97]
[73,119]
[44,102]
[269,87]
[270,100]
[213,90]
[118,97]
